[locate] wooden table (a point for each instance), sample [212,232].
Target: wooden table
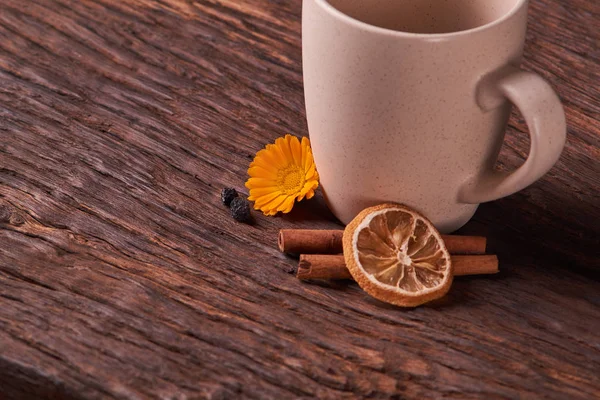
[123,276]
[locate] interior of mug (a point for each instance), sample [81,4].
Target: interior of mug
[426,16]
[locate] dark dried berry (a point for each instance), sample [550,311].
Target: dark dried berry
[240,209]
[227,195]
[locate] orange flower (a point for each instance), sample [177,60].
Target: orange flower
[282,173]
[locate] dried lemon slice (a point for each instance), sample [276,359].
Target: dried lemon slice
[397,256]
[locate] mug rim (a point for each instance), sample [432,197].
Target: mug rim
[386,31]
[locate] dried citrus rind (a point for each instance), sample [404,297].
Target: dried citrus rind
[397,256]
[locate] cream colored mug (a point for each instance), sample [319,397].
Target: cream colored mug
[408,100]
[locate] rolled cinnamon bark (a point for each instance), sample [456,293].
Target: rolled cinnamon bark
[320,266]
[308,241]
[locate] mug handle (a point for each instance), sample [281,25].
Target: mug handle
[545,117]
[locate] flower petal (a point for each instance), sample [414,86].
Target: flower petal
[283,144]
[296,148]
[261,183]
[308,187]
[278,151]
[287,205]
[274,204]
[279,158]
[305,142]
[309,166]
[305,150]
[256,171]
[261,201]
[259,192]
[266,159]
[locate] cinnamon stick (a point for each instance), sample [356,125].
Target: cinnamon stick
[320,266]
[308,241]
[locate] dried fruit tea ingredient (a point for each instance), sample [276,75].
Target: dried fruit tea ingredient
[227,195]
[240,210]
[397,256]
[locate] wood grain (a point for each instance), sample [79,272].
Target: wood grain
[122,276]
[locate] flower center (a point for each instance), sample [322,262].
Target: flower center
[291,179]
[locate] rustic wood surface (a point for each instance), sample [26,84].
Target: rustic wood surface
[122,275]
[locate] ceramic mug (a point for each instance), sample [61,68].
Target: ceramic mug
[408,101]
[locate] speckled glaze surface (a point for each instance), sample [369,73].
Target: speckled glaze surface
[407,101]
